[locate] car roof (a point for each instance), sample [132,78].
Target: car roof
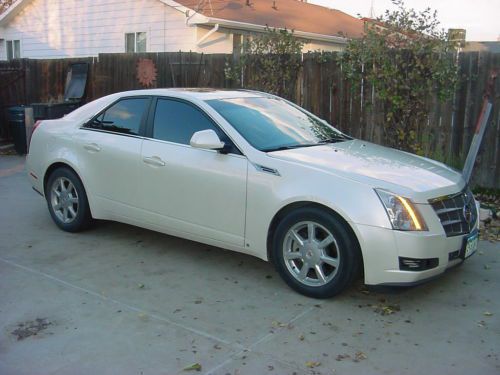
[198,93]
[202,94]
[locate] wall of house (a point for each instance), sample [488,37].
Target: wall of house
[79,28]
[322,46]
[74,28]
[220,41]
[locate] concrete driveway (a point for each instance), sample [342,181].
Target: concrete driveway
[122,300]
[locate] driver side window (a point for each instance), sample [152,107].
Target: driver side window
[176,121]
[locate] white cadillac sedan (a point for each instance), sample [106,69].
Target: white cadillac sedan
[254,173]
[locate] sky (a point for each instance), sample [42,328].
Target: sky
[479,17]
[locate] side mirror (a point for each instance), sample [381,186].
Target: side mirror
[206,139]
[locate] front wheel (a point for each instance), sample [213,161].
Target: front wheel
[315,253]
[67,201]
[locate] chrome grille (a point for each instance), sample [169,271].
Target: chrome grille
[457,212]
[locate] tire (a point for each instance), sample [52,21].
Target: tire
[67,201]
[333,250]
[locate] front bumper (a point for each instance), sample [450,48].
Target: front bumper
[383,248]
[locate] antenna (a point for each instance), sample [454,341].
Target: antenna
[202,4]
[372,10]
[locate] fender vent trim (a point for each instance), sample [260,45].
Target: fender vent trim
[263,168]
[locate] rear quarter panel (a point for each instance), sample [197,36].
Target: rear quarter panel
[52,142]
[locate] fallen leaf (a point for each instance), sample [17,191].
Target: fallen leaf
[359,356]
[341,357]
[313,364]
[193,367]
[387,309]
[276,323]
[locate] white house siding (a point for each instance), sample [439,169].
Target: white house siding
[220,41]
[322,46]
[75,28]
[78,28]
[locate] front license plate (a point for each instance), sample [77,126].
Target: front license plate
[471,244]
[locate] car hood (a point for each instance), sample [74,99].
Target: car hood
[403,173]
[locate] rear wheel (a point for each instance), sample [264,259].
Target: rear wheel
[67,200]
[315,253]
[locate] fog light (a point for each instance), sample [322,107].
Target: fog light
[413,264]
[454,255]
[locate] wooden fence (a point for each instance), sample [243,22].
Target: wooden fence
[320,88]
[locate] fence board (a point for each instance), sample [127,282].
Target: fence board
[320,88]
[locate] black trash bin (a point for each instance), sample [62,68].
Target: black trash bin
[76,82]
[17,123]
[51,111]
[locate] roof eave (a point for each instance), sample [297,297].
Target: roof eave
[203,20]
[181,8]
[12,11]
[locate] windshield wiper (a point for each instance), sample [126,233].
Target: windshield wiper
[289,147]
[333,139]
[336,138]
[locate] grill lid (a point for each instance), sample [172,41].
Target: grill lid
[76,81]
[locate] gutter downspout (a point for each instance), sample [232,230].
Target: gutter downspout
[204,37]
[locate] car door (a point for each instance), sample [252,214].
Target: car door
[191,190]
[109,152]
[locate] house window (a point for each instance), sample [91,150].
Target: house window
[135,42]
[13,49]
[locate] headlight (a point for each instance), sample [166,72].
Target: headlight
[402,213]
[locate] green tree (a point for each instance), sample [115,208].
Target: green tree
[269,62]
[408,59]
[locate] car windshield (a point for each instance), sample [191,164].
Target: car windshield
[272,124]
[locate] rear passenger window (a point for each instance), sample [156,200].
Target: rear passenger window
[176,121]
[122,117]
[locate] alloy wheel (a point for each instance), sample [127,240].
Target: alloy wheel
[311,253]
[64,200]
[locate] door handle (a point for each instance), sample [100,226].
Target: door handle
[154,160]
[92,147]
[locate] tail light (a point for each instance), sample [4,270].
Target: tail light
[37,124]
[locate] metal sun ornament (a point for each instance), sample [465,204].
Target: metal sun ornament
[146,72]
